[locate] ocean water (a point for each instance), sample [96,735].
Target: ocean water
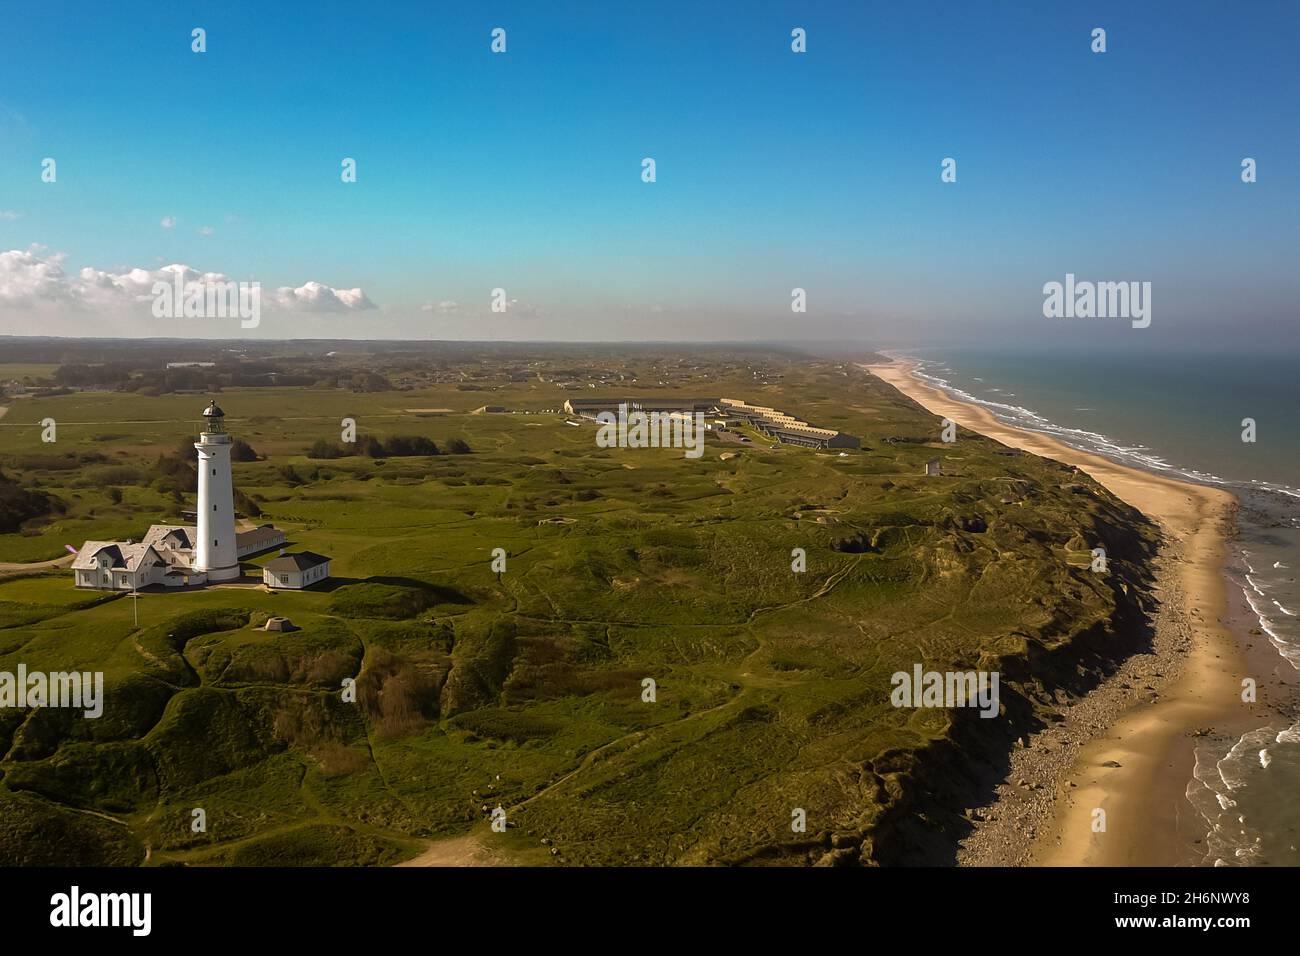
[1181,414]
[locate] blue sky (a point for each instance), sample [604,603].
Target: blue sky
[775,169]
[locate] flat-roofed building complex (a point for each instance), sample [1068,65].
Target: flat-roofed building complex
[772,422]
[591,407]
[784,427]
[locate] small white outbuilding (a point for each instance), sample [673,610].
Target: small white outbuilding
[296,571]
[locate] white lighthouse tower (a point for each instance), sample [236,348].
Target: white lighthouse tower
[215,551]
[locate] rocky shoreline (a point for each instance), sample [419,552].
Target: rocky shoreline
[1005,827]
[1128,745]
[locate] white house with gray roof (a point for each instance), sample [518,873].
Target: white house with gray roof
[296,571]
[118,566]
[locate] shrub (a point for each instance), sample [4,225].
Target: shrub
[399,447]
[388,601]
[322,449]
[240,450]
[18,505]
[396,694]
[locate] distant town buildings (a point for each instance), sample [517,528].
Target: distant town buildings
[591,407]
[725,413]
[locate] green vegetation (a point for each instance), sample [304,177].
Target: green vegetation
[18,505]
[525,689]
[399,446]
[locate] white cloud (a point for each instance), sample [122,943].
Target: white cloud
[514,309]
[525,310]
[205,230]
[314,297]
[37,278]
[168,222]
[9,215]
[29,278]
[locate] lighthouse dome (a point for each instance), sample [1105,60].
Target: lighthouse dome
[213,411]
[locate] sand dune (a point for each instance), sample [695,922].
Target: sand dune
[1149,822]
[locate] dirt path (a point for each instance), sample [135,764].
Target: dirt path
[467,850]
[9,570]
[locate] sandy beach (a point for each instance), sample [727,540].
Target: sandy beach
[1127,747]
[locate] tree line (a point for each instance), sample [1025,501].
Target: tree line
[398,446]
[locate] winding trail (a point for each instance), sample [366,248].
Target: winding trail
[472,849]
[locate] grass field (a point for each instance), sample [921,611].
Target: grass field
[526,690]
[26,373]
